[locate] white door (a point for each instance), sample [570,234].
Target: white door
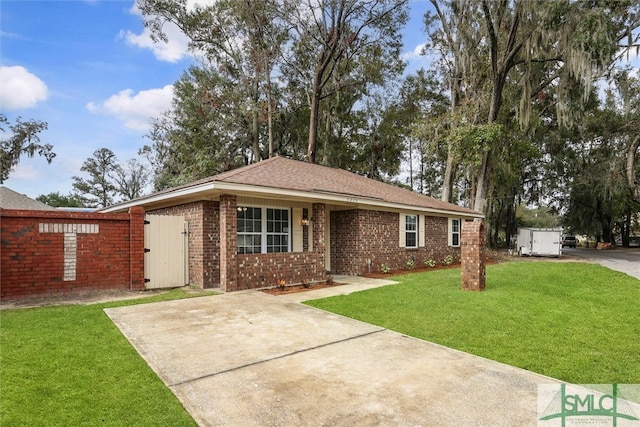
[546,242]
[166,251]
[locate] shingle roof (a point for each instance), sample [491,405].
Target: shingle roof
[10,199]
[285,173]
[281,173]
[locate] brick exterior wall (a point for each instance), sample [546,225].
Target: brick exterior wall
[213,258]
[47,253]
[264,270]
[473,240]
[360,235]
[228,243]
[204,240]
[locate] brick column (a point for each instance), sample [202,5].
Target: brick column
[228,243]
[318,237]
[136,248]
[472,254]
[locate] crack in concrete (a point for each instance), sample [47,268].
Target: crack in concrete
[293,353]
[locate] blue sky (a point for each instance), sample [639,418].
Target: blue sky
[89,69]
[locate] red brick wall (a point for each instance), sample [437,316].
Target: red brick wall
[107,252]
[204,240]
[360,235]
[228,243]
[263,270]
[207,244]
[473,240]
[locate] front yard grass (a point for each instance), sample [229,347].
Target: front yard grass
[70,365]
[577,322]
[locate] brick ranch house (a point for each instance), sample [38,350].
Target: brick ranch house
[283,219]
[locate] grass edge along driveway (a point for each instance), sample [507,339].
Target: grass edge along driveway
[575,322]
[70,365]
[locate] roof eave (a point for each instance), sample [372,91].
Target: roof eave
[235,188]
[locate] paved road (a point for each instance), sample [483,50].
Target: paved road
[624,260]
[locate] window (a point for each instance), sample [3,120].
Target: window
[277,230]
[249,230]
[454,228]
[411,231]
[263,230]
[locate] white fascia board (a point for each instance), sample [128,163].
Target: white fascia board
[354,201]
[162,197]
[270,192]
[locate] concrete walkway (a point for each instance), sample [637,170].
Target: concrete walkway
[252,359]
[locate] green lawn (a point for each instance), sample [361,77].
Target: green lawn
[70,365]
[576,322]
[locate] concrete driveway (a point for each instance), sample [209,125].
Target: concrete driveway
[252,359]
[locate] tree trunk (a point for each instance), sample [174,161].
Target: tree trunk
[480,199]
[269,112]
[626,230]
[255,129]
[449,175]
[411,165]
[634,186]
[313,123]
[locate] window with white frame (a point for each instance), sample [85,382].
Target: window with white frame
[277,230]
[249,230]
[411,231]
[454,228]
[263,230]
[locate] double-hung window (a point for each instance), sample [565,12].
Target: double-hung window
[277,230]
[263,230]
[249,230]
[411,231]
[454,229]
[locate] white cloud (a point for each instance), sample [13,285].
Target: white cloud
[20,89]
[136,110]
[173,51]
[417,53]
[26,172]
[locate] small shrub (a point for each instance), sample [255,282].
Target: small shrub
[430,262]
[385,268]
[306,284]
[448,260]
[281,284]
[329,280]
[411,263]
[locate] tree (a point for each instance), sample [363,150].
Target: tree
[24,140]
[536,44]
[204,133]
[57,200]
[251,95]
[98,190]
[130,179]
[330,37]
[239,41]
[628,89]
[597,201]
[108,180]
